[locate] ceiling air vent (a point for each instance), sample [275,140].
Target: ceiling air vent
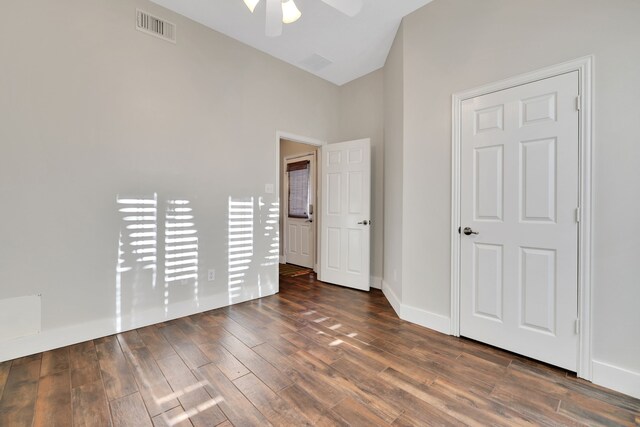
[315,63]
[155,26]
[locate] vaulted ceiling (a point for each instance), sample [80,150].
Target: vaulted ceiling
[323,41]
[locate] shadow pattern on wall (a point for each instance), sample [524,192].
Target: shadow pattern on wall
[140,253]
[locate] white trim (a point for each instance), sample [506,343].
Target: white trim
[80,332]
[391,297]
[283,259]
[584,66]
[375,282]
[421,317]
[616,378]
[425,318]
[298,138]
[585,356]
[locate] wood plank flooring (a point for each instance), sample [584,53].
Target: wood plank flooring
[314,354]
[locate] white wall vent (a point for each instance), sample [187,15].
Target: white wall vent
[155,26]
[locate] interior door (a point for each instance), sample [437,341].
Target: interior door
[346,209]
[300,228]
[519,231]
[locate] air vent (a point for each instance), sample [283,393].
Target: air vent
[155,26]
[315,62]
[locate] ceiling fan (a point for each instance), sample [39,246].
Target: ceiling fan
[286,11]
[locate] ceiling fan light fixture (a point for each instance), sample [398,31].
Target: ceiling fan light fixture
[251,4]
[290,12]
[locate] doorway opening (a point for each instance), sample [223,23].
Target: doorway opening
[298,177]
[337,212]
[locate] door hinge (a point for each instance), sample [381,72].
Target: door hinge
[578,102]
[578,214]
[577,326]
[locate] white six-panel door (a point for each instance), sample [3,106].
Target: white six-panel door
[519,192]
[300,233]
[346,210]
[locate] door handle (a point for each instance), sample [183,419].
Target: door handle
[468,231]
[365,222]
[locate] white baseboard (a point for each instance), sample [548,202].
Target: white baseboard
[375,282]
[437,322]
[616,378]
[425,318]
[60,337]
[283,259]
[391,297]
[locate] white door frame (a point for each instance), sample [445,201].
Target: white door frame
[318,215]
[584,66]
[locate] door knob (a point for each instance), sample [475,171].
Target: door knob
[365,222]
[468,231]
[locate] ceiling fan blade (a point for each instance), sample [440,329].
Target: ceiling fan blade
[273,27]
[251,4]
[348,7]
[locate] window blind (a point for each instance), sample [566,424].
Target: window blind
[298,189]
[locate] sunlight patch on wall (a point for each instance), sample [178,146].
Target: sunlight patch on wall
[271,232]
[145,223]
[137,244]
[240,252]
[181,248]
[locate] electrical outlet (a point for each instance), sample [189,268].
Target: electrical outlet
[268,188]
[212,275]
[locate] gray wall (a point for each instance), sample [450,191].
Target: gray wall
[93,109]
[362,116]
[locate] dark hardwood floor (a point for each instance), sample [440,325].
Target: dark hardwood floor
[314,354]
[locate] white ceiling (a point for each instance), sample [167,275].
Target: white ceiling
[355,46]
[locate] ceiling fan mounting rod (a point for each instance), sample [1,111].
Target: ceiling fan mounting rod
[286,11]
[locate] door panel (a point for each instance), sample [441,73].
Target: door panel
[334,186]
[488,119]
[355,251]
[333,245]
[292,235]
[519,192]
[538,288]
[305,240]
[345,229]
[355,193]
[538,180]
[487,280]
[488,187]
[538,109]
